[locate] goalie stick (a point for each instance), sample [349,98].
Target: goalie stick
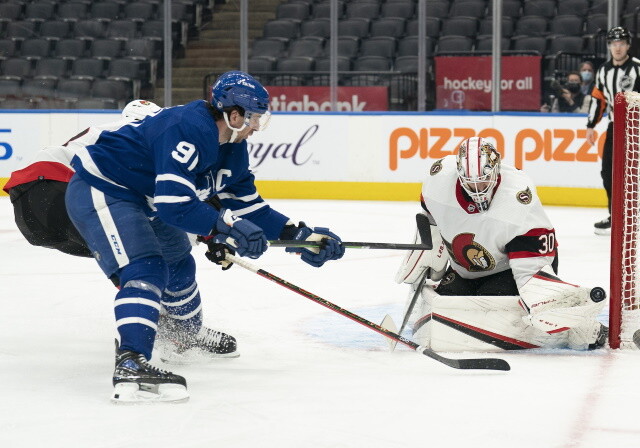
[350,244]
[422,225]
[388,323]
[478,363]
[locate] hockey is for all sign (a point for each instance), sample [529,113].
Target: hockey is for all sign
[464,82]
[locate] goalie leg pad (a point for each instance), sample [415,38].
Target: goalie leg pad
[562,319]
[554,306]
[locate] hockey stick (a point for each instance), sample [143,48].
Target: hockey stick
[479,363]
[422,226]
[350,244]
[407,313]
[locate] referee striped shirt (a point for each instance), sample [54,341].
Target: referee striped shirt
[611,79]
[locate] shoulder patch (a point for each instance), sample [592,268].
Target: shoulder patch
[436,167]
[524,196]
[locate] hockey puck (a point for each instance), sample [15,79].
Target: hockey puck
[597,294]
[636,338]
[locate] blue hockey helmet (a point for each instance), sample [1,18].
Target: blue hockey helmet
[236,88]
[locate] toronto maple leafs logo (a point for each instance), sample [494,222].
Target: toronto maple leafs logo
[204,186]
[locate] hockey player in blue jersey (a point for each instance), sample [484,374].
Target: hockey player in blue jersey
[140,189]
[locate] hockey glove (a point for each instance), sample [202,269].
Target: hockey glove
[330,249]
[240,234]
[217,253]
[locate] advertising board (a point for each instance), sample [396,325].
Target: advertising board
[464,82]
[317,99]
[370,155]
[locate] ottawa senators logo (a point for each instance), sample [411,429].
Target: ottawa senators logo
[525,196]
[436,167]
[469,254]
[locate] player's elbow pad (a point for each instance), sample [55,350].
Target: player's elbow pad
[416,262]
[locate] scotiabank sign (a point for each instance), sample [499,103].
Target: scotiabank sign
[317,99]
[464,82]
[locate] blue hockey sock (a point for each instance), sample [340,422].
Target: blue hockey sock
[181,298]
[137,304]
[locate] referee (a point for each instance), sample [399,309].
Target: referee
[619,74]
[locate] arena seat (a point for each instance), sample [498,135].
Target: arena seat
[297,11]
[448,44]
[388,26]
[72,11]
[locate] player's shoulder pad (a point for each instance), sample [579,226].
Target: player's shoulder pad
[195,123]
[445,164]
[436,167]
[518,185]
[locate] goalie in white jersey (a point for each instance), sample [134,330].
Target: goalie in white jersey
[492,237]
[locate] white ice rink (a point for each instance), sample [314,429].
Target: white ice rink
[307,377]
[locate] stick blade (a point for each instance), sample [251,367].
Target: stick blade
[485,364]
[389,324]
[469,364]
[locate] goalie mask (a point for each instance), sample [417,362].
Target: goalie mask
[478,170]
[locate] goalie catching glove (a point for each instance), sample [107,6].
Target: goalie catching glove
[239,234]
[330,249]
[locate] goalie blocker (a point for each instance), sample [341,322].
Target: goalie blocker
[433,262]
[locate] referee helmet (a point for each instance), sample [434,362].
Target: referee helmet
[619,33]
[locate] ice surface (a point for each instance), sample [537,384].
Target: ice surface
[306,377]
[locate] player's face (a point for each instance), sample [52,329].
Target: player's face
[249,123]
[478,187]
[619,50]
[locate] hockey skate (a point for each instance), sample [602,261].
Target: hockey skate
[601,339]
[591,336]
[603,227]
[179,346]
[137,381]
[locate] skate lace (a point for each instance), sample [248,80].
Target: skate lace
[211,337]
[143,361]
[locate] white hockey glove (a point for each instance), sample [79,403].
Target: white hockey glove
[416,262]
[554,306]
